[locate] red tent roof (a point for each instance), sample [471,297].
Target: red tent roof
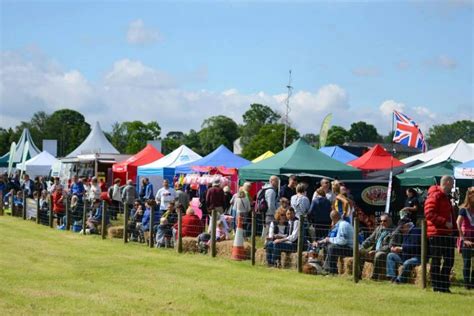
[143,157]
[376,158]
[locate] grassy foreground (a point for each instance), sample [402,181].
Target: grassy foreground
[44,271]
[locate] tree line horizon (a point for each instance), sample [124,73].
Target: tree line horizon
[261,130]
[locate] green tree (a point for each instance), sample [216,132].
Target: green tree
[173,140]
[68,127]
[192,141]
[363,132]
[444,134]
[337,135]
[312,139]
[257,116]
[269,137]
[6,138]
[118,136]
[389,138]
[218,130]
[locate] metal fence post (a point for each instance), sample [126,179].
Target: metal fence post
[300,244]
[125,222]
[50,211]
[84,216]
[180,231]
[213,233]
[152,221]
[253,237]
[103,223]
[355,251]
[37,210]
[424,253]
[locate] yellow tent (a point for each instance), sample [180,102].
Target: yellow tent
[264,156]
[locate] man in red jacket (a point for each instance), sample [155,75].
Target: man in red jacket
[441,228]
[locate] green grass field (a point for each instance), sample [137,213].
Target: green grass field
[45,271]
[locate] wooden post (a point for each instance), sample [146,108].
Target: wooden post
[24,204]
[103,225]
[180,231]
[152,220]
[1,203]
[253,236]
[50,205]
[424,253]
[68,214]
[300,244]
[84,216]
[213,233]
[10,202]
[355,251]
[125,223]
[38,209]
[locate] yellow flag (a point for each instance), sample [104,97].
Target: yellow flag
[323,133]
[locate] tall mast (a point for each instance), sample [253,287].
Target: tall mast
[286,119]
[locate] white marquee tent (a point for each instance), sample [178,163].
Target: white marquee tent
[95,143]
[39,165]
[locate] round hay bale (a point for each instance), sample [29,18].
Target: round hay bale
[190,244]
[115,232]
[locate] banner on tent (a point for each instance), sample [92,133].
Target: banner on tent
[376,195]
[30,208]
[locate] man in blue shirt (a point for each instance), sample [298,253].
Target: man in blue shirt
[77,188]
[148,190]
[339,245]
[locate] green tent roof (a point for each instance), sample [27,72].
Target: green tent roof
[299,158]
[33,150]
[429,175]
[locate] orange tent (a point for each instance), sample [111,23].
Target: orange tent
[127,169]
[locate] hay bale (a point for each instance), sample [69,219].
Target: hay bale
[289,260]
[367,270]
[347,265]
[115,232]
[190,244]
[224,248]
[261,256]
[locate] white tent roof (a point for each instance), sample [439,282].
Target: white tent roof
[95,143]
[39,165]
[177,157]
[32,149]
[459,151]
[431,154]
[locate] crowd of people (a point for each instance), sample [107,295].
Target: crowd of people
[327,220]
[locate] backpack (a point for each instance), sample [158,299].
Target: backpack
[261,205]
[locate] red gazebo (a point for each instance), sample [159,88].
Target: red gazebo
[376,158]
[127,169]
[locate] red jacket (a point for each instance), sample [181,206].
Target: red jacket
[192,226]
[438,211]
[57,200]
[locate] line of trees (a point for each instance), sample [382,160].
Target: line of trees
[261,130]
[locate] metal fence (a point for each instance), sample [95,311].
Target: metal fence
[408,254]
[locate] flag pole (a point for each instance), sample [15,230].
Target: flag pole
[390,177]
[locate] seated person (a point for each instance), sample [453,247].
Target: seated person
[150,206]
[408,255]
[96,217]
[191,224]
[376,247]
[171,214]
[288,243]
[339,245]
[221,233]
[164,234]
[279,227]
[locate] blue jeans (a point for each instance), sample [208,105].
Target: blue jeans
[394,260]
[274,250]
[467,254]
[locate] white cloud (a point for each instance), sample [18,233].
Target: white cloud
[388,106]
[139,34]
[442,61]
[130,90]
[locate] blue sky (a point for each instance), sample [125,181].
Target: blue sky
[349,58]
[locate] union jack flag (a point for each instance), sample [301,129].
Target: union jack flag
[407,132]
